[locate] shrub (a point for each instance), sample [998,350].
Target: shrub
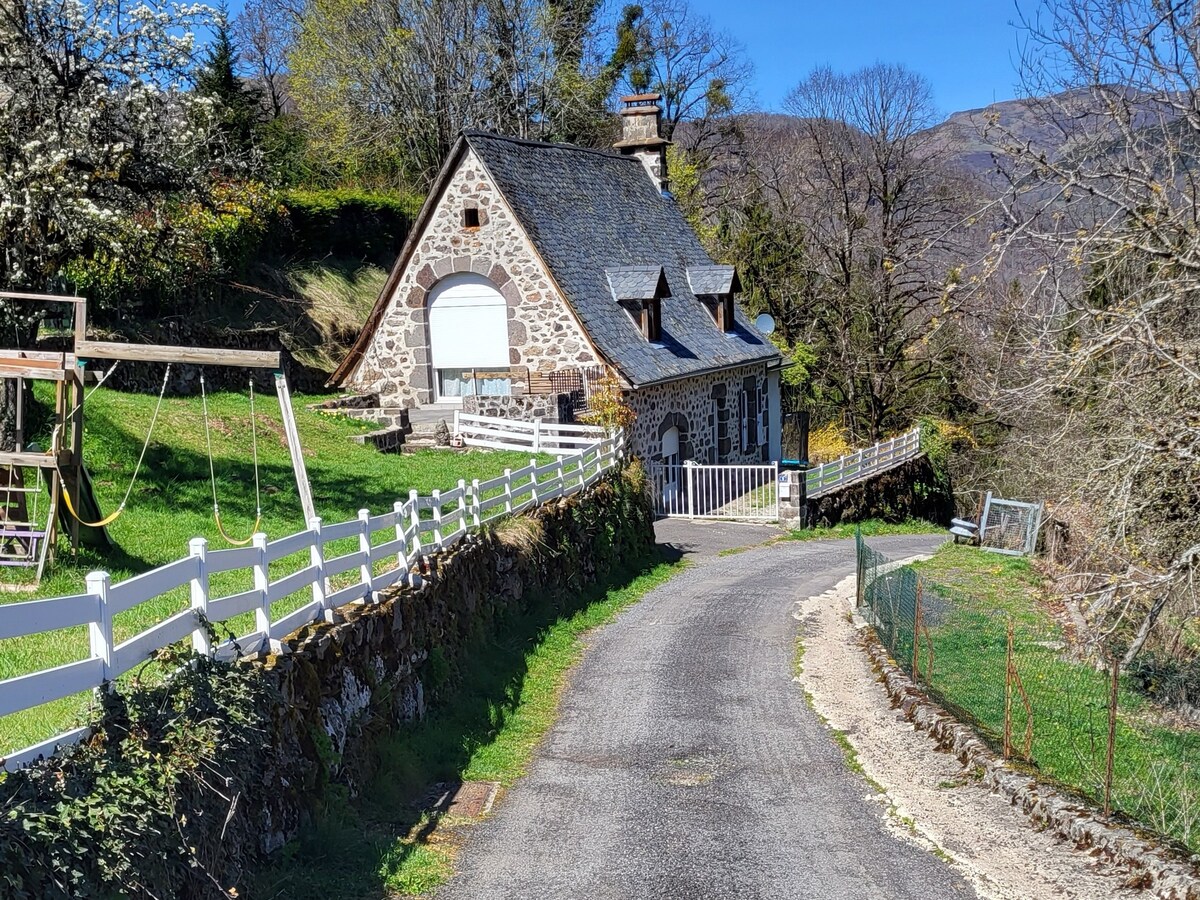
[341,222]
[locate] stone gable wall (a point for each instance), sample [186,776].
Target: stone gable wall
[543,334]
[705,410]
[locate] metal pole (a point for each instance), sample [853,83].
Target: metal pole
[1112,734]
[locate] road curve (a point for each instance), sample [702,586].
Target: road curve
[685,763]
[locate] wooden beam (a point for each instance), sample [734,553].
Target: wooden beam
[14,369]
[26,458]
[294,449]
[45,298]
[200,356]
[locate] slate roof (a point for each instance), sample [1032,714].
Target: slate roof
[638,283]
[589,212]
[713,280]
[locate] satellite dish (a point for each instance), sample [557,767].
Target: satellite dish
[765,323]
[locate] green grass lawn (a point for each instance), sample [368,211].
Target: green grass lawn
[172,503]
[1157,762]
[868,527]
[382,843]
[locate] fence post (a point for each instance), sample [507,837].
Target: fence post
[537,434]
[198,548]
[462,504]
[916,654]
[1110,749]
[262,584]
[316,555]
[401,555]
[687,488]
[437,519]
[475,503]
[366,571]
[1008,680]
[558,472]
[533,482]
[413,497]
[508,490]
[100,631]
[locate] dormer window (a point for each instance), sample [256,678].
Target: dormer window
[640,291]
[715,287]
[470,217]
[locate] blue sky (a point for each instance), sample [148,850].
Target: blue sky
[966,48]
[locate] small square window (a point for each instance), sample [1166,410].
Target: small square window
[471,217]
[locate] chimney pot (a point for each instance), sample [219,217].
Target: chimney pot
[641,135]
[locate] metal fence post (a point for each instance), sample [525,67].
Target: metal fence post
[1111,746]
[1008,686]
[198,548]
[100,636]
[687,489]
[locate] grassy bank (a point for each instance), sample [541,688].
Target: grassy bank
[171,503]
[973,596]
[383,842]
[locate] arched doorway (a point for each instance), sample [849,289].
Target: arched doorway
[468,338]
[671,462]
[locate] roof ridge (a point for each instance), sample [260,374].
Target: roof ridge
[555,145]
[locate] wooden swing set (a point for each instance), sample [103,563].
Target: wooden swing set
[27,535]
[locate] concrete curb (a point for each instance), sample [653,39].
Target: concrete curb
[1153,868]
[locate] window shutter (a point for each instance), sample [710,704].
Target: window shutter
[744,418]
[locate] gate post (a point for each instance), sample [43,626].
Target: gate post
[687,472]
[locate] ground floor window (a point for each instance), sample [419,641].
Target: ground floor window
[454,384]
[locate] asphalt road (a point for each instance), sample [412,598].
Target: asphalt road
[686,764]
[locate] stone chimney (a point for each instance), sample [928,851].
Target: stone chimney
[641,118]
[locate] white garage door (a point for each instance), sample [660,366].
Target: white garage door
[468,336]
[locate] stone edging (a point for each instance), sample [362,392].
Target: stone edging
[1153,868]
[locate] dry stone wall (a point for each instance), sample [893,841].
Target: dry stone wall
[543,334]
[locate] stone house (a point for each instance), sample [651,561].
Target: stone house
[532,266]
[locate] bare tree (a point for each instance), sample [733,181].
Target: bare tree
[877,299]
[265,31]
[702,73]
[1103,348]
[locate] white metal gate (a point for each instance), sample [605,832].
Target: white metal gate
[693,491]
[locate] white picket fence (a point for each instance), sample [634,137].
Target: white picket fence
[346,564]
[862,464]
[518,434]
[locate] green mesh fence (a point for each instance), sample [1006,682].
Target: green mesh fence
[1006,670]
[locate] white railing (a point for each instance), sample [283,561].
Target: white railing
[518,434]
[862,464]
[346,563]
[716,492]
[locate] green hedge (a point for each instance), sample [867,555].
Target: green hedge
[347,223]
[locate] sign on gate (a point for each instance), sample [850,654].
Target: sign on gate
[693,491]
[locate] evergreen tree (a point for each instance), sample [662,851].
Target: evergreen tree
[240,109]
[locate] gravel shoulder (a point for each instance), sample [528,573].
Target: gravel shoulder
[928,793]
